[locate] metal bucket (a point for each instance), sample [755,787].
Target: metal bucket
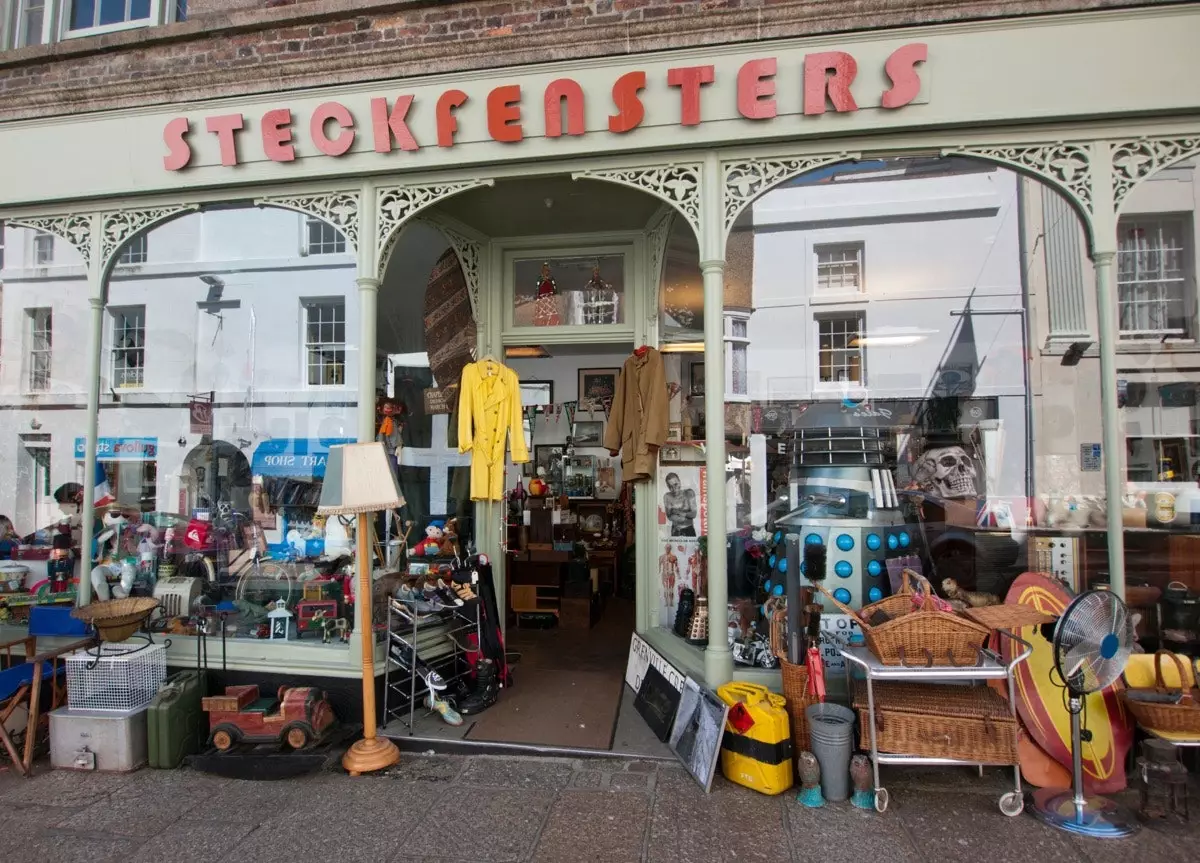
[831,736]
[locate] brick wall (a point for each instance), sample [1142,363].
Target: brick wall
[232,48]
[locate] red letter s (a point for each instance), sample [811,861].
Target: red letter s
[175,137]
[901,68]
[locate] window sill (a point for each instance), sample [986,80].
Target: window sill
[105,29]
[838,299]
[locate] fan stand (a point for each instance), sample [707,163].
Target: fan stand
[1068,809]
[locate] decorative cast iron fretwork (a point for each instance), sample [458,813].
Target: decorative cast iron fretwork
[1066,165]
[117,227]
[339,209]
[1133,161]
[746,179]
[395,205]
[74,228]
[677,184]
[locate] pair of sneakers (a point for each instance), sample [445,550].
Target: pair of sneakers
[404,656]
[442,707]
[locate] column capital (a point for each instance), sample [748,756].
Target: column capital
[712,266]
[1103,259]
[97,303]
[367,283]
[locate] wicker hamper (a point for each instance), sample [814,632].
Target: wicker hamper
[795,684]
[971,723]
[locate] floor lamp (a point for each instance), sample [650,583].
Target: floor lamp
[359,481]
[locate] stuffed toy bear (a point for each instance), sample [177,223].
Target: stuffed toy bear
[449,542]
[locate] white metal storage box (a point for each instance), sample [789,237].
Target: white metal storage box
[98,739]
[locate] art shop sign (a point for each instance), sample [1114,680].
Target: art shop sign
[824,81]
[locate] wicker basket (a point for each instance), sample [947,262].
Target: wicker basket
[1180,718]
[969,723]
[117,619]
[795,685]
[899,603]
[923,638]
[1007,616]
[776,608]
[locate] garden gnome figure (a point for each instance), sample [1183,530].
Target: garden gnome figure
[810,782]
[860,778]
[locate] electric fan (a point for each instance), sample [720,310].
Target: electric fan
[1092,642]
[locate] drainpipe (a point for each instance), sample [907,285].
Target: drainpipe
[87,515]
[1026,341]
[1111,439]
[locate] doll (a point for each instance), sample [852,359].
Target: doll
[431,545]
[391,424]
[545,310]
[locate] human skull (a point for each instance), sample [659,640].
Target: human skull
[948,473]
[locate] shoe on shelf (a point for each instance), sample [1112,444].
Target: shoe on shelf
[403,656]
[414,612]
[447,595]
[463,591]
[487,689]
[443,709]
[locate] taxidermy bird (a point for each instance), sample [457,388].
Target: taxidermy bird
[810,781]
[860,778]
[970,597]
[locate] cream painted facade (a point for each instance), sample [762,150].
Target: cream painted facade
[1064,100]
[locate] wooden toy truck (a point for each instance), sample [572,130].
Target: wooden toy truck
[299,716]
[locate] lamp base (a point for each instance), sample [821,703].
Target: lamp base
[369,755]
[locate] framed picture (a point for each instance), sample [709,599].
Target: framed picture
[533,394]
[588,432]
[606,479]
[670,454]
[697,732]
[596,387]
[675,432]
[591,517]
[696,378]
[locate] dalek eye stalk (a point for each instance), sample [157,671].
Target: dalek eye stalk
[844,518]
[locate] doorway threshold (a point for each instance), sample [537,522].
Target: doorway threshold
[631,738]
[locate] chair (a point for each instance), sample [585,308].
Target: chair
[21,680]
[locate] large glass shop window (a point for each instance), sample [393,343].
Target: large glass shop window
[229,368]
[883,396]
[44,321]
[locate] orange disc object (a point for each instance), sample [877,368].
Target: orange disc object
[1041,697]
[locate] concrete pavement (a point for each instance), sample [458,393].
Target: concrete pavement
[490,808]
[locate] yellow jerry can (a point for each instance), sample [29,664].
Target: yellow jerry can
[756,750]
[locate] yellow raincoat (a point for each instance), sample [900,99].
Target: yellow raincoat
[489,410]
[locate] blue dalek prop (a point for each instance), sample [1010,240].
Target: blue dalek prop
[843,505]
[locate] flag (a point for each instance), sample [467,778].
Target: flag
[103,494]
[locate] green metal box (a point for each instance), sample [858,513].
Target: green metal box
[174,720]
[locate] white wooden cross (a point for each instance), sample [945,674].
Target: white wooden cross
[440,459]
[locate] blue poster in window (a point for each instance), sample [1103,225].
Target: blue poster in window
[119,448]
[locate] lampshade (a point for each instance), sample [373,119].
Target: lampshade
[358,478]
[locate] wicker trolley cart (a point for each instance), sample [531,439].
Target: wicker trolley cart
[972,731]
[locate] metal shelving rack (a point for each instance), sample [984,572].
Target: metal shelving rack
[990,667]
[438,640]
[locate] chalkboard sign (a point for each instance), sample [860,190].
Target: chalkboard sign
[697,732]
[656,702]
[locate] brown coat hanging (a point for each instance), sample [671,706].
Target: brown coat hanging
[637,425]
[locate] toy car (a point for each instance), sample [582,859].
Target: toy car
[299,716]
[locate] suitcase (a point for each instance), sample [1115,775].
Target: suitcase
[760,757]
[175,722]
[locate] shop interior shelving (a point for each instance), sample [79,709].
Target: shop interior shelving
[439,639]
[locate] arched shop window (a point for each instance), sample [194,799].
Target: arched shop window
[227,373]
[898,397]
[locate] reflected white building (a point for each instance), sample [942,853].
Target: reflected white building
[243,311]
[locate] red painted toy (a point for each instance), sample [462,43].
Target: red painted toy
[299,716]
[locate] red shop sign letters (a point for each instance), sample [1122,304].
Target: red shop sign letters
[333,129]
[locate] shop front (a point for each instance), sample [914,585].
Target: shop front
[804,288]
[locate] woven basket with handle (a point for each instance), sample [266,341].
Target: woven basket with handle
[923,638]
[899,603]
[1182,717]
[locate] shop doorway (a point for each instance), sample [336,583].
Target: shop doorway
[566,273]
